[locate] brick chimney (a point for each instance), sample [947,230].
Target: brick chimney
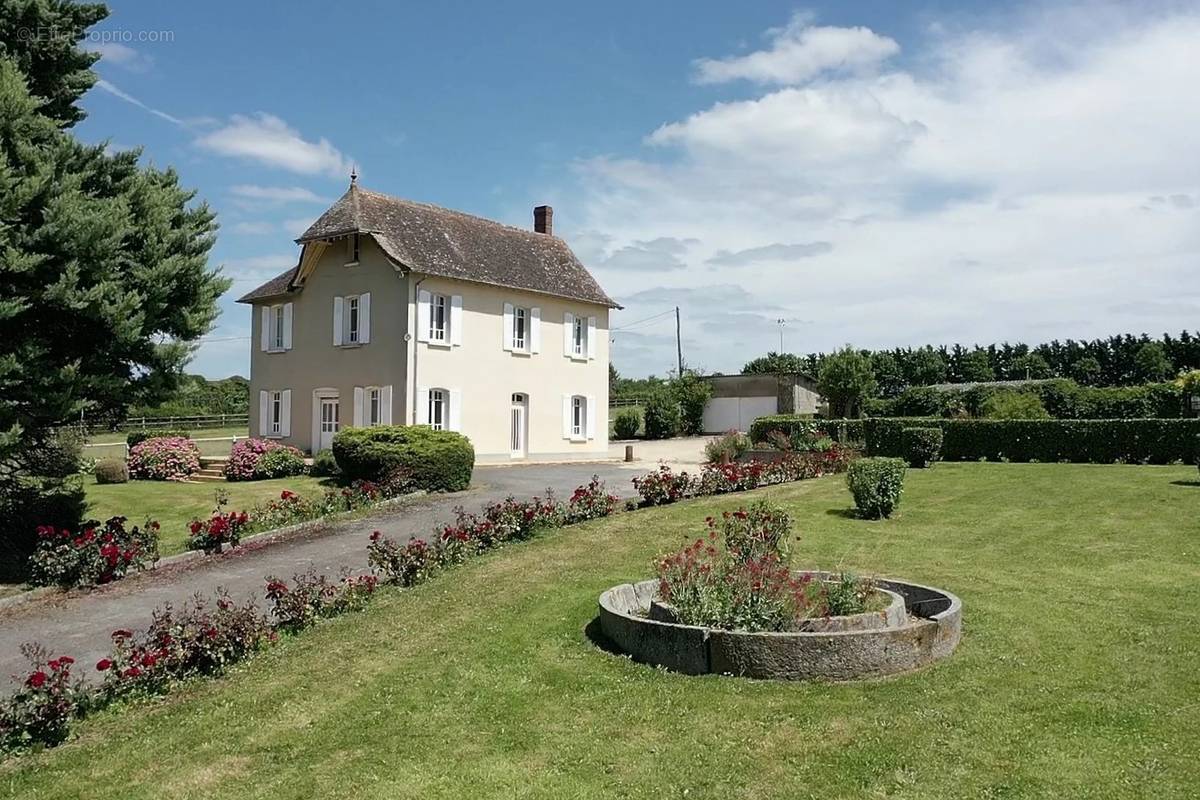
[543,220]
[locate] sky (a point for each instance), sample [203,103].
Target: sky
[874,173]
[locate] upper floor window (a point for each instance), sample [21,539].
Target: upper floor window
[352,319]
[352,245]
[579,337]
[352,307]
[439,318]
[276,327]
[520,329]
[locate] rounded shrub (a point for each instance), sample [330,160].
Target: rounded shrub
[922,446]
[137,437]
[248,460]
[324,465]
[627,423]
[661,415]
[436,461]
[876,484]
[164,459]
[111,470]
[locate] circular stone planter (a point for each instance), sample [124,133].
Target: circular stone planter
[921,625]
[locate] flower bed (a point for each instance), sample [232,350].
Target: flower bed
[665,486]
[171,458]
[259,459]
[97,554]
[313,597]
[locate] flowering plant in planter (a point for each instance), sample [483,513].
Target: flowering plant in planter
[41,710]
[663,486]
[590,502]
[97,554]
[170,458]
[313,597]
[197,640]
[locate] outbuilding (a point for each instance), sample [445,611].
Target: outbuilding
[738,400]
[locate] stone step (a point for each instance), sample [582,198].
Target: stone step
[206,477]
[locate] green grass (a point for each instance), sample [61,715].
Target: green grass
[174,505]
[1077,675]
[112,445]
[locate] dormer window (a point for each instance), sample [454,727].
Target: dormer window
[352,245]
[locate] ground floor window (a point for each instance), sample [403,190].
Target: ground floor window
[438,409]
[276,412]
[578,416]
[375,406]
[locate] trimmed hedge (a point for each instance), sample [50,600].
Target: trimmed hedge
[436,461]
[922,446]
[1153,441]
[1062,399]
[842,431]
[111,470]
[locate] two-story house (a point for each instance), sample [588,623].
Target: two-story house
[402,312]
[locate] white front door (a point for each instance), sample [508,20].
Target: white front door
[328,426]
[518,428]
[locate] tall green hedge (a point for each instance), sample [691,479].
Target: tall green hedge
[1101,441]
[437,461]
[843,431]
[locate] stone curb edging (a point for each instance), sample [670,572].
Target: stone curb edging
[931,633]
[262,537]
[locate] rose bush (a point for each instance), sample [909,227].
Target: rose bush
[98,553]
[41,710]
[313,597]
[171,458]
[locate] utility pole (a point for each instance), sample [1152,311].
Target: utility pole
[678,342]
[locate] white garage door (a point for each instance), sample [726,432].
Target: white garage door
[736,413]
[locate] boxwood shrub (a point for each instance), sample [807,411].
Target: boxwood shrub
[842,431]
[922,446]
[111,470]
[1099,441]
[438,461]
[876,484]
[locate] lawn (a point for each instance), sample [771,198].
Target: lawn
[112,445]
[1076,676]
[174,505]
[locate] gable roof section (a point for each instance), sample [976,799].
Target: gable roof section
[450,244]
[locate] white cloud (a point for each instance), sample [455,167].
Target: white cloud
[254,228]
[269,140]
[113,90]
[1015,182]
[279,194]
[257,269]
[799,52]
[121,55]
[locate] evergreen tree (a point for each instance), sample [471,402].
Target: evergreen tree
[846,380]
[974,368]
[1150,363]
[774,362]
[926,366]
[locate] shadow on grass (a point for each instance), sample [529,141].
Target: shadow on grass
[1185,483]
[596,636]
[844,513]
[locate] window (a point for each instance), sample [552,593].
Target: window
[578,417]
[352,315]
[520,329]
[276,412]
[579,337]
[276,339]
[374,406]
[438,409]
[439,312]
[352,249]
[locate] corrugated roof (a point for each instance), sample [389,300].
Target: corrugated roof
[451,244]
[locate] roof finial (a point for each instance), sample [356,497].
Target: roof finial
[353,175]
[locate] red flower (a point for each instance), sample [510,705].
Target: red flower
[104,664]
[132,672]
[149,660]
[37,679]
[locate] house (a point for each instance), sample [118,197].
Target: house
[406,313]
[738,400]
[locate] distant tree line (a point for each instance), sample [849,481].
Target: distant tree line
[1123,360]
[196,396]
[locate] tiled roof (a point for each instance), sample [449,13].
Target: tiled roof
[450,244]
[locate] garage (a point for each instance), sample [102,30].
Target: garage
[738,400]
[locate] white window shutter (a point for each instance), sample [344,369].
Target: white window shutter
[535,329]
[264,412]
[508,326]
[566,417]
[423,315]
[455,409]
[287,326]
[364,318]
[265,316]
[338,303]
[385,405]
[456,316]
[422,405]
[591,416]
[568,334]
[358,406]
[285,413]
[591,338]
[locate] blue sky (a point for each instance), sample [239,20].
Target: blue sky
[876,173]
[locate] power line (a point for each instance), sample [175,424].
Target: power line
[641,321]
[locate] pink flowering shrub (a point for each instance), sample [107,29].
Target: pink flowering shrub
[41,710]
[258,459]
[96,554]
[313,597]
[171,458]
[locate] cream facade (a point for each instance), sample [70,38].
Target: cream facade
[354,338]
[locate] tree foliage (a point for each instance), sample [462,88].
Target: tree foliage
[846,380]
